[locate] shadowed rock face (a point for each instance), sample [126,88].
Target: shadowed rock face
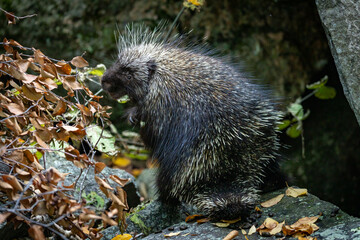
[340,19]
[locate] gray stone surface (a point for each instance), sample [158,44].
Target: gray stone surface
[87,180]
[341,21]
[334,223]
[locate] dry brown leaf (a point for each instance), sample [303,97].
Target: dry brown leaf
[232,221]
[48,82]
[15,108]
[79,62]
[231,235]
[70,82]
[271,226]
[272,201]
[84,110]
[4,216]
[203,220]
[121,181]
[60,108]
[103,183]
[305,225]
[30,92]
[5,186]
[12,181]
[191,218]
[99,166]
[296,192]
[63,68]
[36,232]
[13,125]
[172,234]
[40,141]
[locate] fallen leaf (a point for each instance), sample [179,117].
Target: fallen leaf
[231,235]
[221,224]
[232,221]
[191,218]
[272,201]
[252,230]
[271,226]
[296,192]
[305,225]
[172,234]
[202,220]
[121,162]
[122,237]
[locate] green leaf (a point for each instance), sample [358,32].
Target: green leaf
[38,155]
[294,131]
[284,124]
[99,70]
[318,84]
[105,141]
[296,110]
[325,92]
[94,199]
[57,81]
[124,99]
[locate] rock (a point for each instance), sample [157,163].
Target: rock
[147,183]
[87,180]
[340,19]
[334,223]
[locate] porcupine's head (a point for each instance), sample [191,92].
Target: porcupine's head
[135,65]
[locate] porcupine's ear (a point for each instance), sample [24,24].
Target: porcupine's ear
[151,64]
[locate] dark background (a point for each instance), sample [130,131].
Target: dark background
[282,42]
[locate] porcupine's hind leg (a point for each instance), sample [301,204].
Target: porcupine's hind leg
[227,201]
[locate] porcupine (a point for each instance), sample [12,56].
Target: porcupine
[210,127]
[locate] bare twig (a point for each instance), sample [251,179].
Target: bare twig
[18,18]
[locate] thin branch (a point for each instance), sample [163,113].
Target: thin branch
[40,148]
[18,18]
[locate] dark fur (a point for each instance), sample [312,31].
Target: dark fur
[210,127]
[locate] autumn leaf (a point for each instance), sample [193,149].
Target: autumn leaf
[172,234]
[272,201]
[122,237]
[36,232]
[271,226]
[305,225]
[121,162]
[296,192]
[99,166]
[231,235]
[79,62]
[252,230]
[30,92]
[191,218]
[121,181]
[15,108]
[222,224]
